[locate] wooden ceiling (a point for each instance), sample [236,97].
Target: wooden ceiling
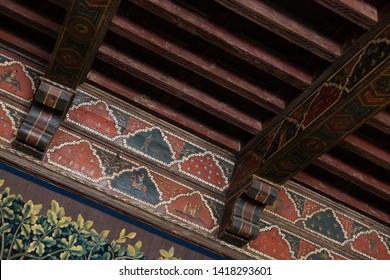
[226,71]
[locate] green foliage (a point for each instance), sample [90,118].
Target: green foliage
[25,234]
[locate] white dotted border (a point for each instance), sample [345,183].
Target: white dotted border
[4,106]
[368,232]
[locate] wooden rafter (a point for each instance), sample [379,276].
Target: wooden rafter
[167,112]
[231,43]
[180,89]
[352,174]
[381,121]
[285,26]
[342,196]
[202,66]
[34,19]
[367,150]
[356,11]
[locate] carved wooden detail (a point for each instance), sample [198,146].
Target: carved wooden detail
[242,214]
[48,108]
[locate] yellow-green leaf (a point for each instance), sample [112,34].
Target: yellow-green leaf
[80,221]
[121,240]
[88,224]
[122,233]
[138,245]
[1,182]
[131,249]
[131,235]
[171,252]
[104,233]
[164,253]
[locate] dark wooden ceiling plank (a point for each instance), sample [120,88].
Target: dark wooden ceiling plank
[337,104]
[82,32]
[29,17]
[285,26]
[381,121]
[220,37]
[357,176]
[356,11]
[62,3]
[357,202]
[367,150]
[205,67]
[19,42]
[167,112]
[178,88]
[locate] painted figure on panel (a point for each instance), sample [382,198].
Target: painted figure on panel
[10,77]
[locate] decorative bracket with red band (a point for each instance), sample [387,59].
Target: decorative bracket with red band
[242,213]
[48,108]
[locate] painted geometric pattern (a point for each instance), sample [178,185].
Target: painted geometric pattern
[328,96]
[17,80]
[276,243]
[10,120]
[133,133]
[125,179]
[322,220]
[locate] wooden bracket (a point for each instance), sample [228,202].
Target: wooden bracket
[51,102]
[242,212]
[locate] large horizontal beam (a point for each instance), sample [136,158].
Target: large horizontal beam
[166,112]
[205,67]
[178,88]
[220,37]
[285,26]
[82,32]
[334,106]
[356,11]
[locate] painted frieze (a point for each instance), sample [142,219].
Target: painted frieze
[10,120]
[135,134]
[17,81]
[338,227]
[122,177]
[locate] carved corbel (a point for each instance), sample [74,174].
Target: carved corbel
[47,110]
[242,212]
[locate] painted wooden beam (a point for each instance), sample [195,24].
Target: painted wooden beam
[357,11]
[84,27]
[285,26]
[367,150]
[28,16]
[220,37]
[356,202]
[357,176]
[353,90]
[179,88]
[168,113]
[207,68]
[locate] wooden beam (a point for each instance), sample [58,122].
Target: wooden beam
[354,175]
[357,202]
[62,3]
[356,11]
[367,150]
[343,99]
[20,43]
[285,26]
[84,28]
[207,68]
[178,88]
[220,37]
[166,112]
[29,17]
[381,121]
